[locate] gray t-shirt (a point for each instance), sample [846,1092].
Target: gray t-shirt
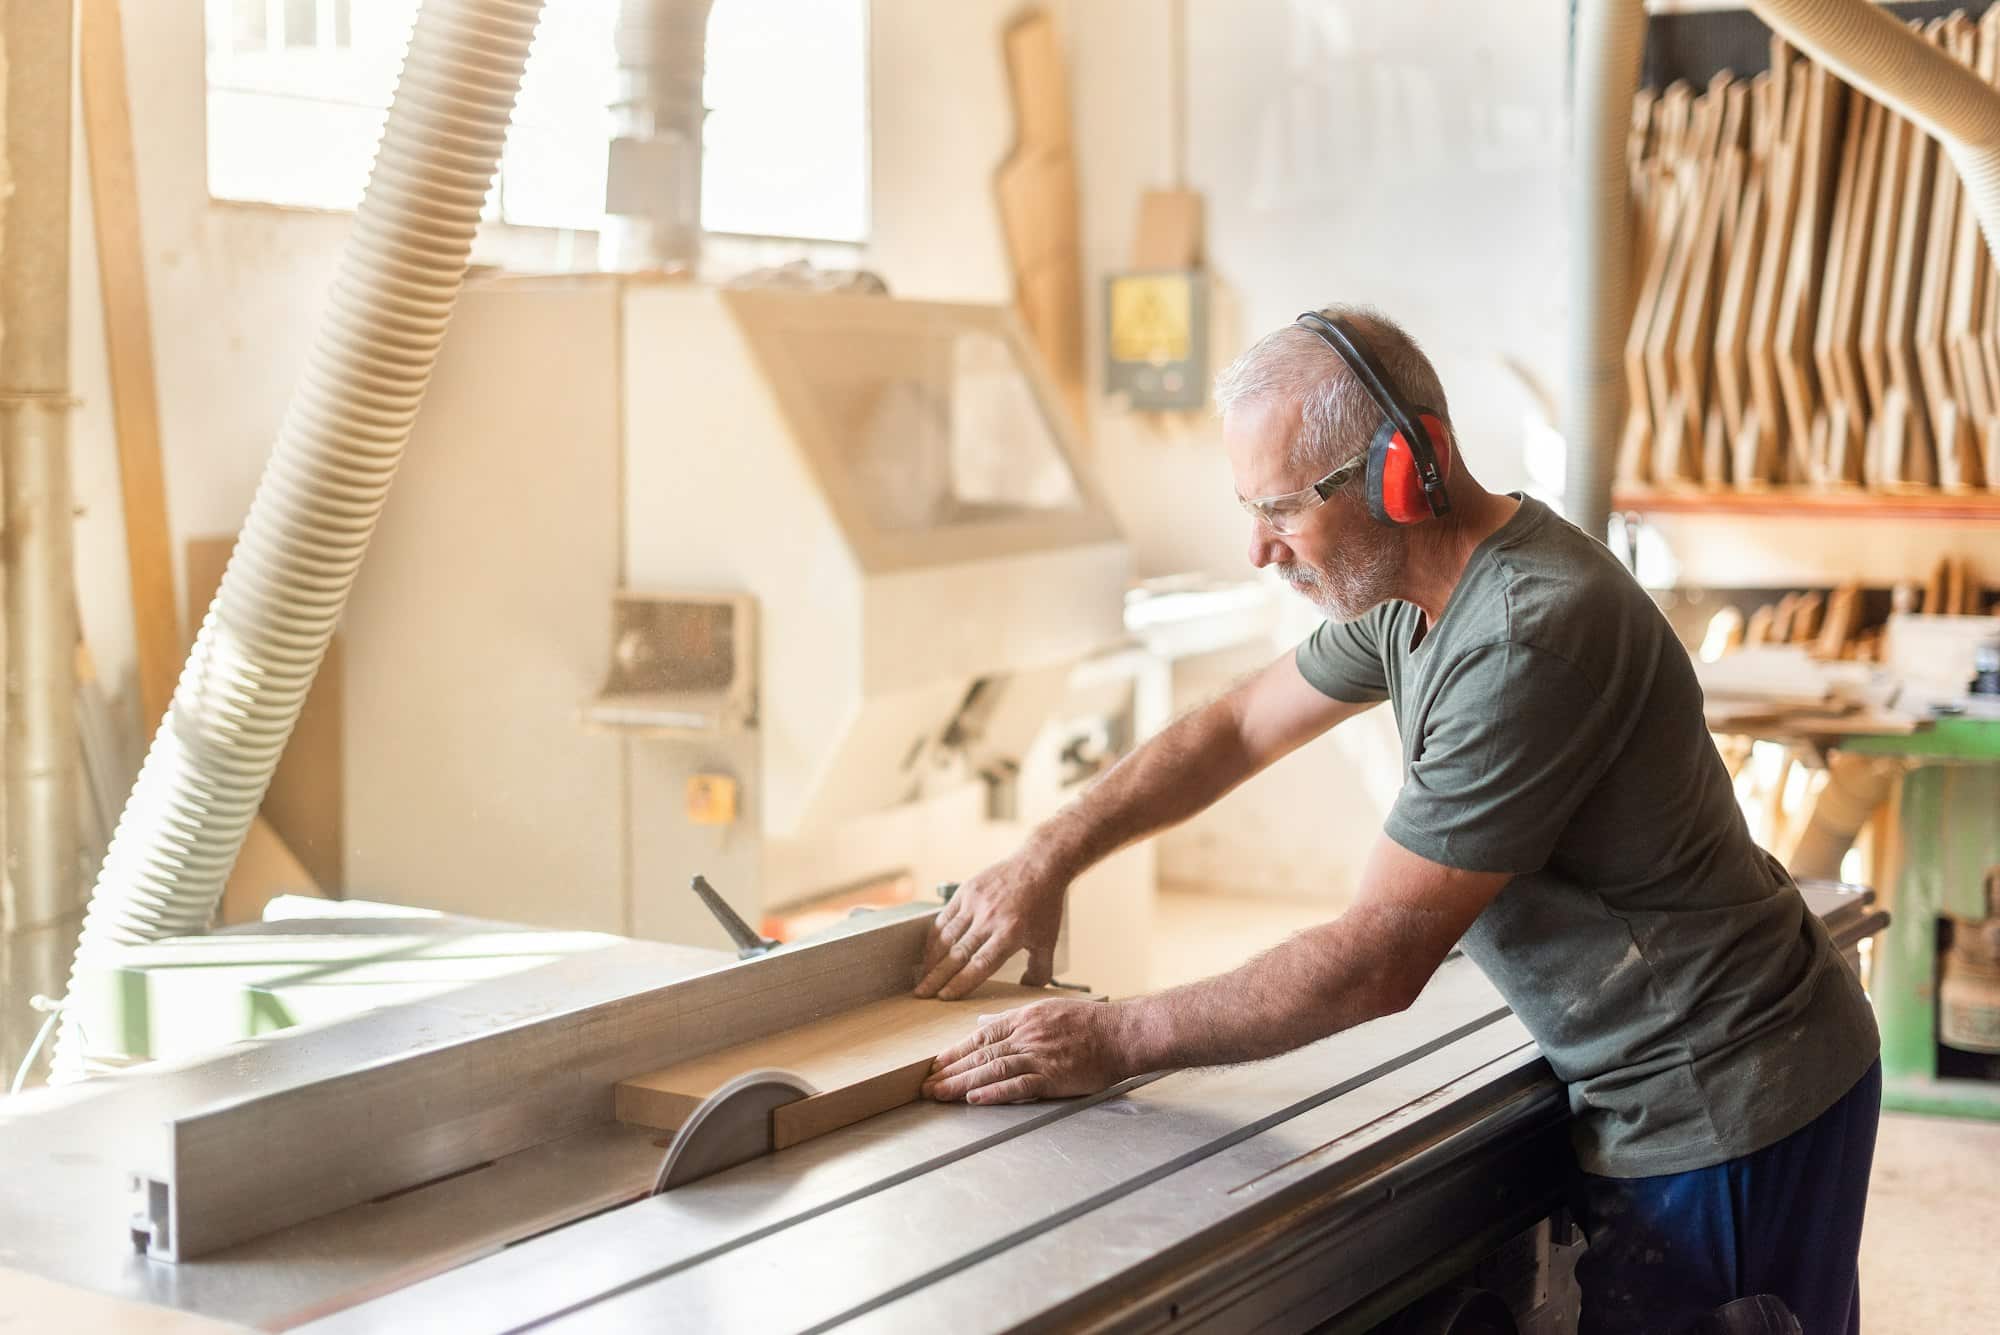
[1667,965]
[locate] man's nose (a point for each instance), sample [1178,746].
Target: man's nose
[1266,548]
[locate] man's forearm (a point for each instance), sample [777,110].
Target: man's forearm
[1180,772]
[1323,980]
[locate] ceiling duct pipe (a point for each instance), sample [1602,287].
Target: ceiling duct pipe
[43,879]
[1870,49]
[652,181]
[323,488]
[1609,39]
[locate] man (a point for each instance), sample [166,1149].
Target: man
[1564,818]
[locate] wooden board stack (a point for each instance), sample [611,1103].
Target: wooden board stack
[1816,306]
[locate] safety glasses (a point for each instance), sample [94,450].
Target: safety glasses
[1285,515]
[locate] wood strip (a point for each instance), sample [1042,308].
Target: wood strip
[1843,618]
[1758,457]
[1906,455]
[1963,364]
[128,338]
[863,1061]
[1882,238]
[1826,101]
[1675,434]
[1928,335]
[1659,230]
[1732,322]
[1695,338]
[1844,467]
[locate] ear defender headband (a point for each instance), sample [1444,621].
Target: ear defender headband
[1406,475]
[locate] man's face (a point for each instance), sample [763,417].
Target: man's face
[1340,560]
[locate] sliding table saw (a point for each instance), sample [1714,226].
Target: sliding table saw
[452,1164]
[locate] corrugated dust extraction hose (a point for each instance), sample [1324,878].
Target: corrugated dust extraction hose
[1872,50]
[323,488]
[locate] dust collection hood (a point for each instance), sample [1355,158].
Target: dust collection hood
[895,484]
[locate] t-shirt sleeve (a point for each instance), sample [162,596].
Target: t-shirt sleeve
[1512,743]
[1343,660]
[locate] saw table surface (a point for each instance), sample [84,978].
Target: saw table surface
[1320,1184]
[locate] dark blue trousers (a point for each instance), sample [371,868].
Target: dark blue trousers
[1785,1220]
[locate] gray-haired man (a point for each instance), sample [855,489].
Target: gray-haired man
[1564,817]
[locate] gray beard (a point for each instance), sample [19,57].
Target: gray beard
[1361,582]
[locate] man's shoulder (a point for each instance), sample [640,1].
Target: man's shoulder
[1563,596]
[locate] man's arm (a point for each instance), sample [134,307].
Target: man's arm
[1183,770]
[1371,961]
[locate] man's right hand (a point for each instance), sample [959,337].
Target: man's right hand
[1010,906]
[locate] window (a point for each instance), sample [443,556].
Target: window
[785,147]
[298,89]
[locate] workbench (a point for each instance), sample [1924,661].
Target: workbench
[452,1164]
[1948,840]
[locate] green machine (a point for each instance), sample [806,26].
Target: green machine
[1940,1008]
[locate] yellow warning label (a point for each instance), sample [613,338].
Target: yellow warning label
[1151,318]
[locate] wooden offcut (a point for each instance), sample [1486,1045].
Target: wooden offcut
[128,335]
[862,1062]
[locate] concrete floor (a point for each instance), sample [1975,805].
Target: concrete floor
[1930,1252]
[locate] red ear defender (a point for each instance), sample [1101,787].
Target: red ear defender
[1395,491]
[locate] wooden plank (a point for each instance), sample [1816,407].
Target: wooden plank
[1695,337]
[1675,435]
[1964,366]
[128,337]
[1947,413]
[1826,99]
[862,1062]
[1838,345]
[1882,263]
[1658,228]
[1906,456]
[1732,321]
[1843,618]
[1759,453]
[1694,345]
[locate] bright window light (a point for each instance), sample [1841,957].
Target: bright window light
[298,89]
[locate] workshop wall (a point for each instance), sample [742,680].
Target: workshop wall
[1346,154]
[1343,155]
[236,289]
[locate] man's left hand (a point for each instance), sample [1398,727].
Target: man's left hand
[1051,1050]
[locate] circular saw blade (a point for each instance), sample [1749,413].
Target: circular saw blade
[732,1126]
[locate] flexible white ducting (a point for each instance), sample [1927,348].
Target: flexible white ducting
[1855,787]
[653,184]
[323,488]
[1609,41]
[1873,51]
